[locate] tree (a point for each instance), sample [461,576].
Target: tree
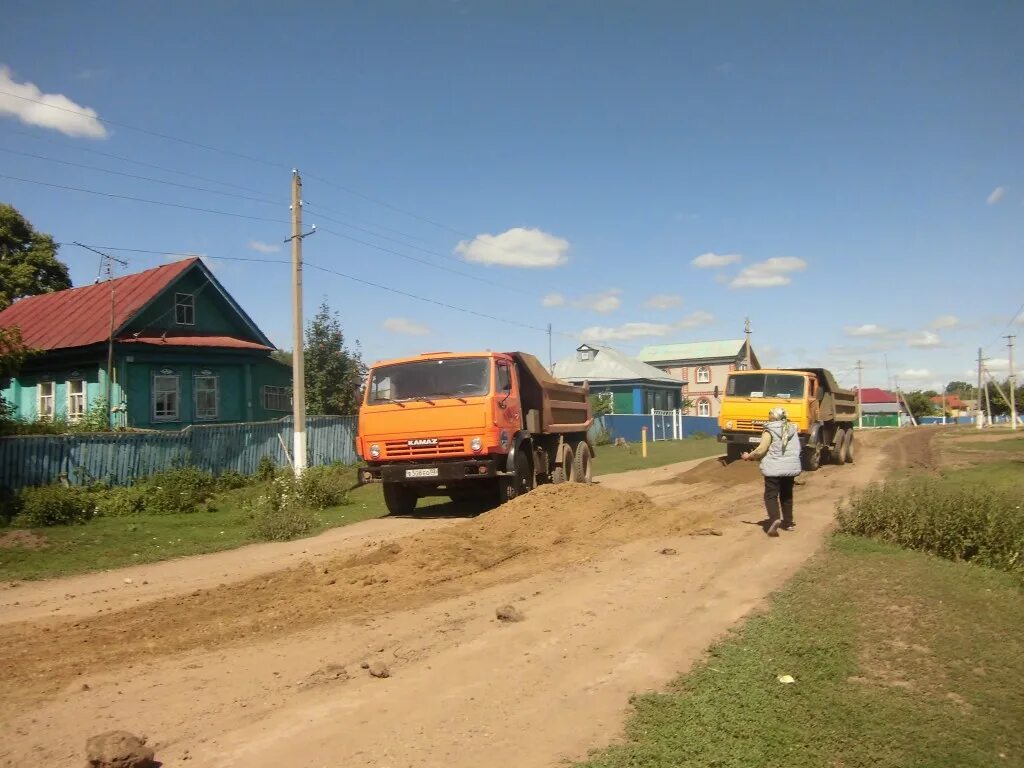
[961,388]
[28,260]
[919,403]
[333,371]
[12,354]
[601,404]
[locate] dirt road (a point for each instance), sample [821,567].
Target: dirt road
[262,667]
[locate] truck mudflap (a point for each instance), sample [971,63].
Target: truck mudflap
[435,473]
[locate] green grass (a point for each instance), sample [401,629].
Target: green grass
[1009,445]
[900,659]
[612,458]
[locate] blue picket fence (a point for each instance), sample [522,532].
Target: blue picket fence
[628,426]
[120,458]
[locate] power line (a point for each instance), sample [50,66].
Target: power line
[1010,322]
[140,178]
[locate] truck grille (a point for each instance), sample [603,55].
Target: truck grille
[749,425]
[446,446]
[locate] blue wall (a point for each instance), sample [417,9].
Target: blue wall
[628,426]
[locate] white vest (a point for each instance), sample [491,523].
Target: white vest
[783,457]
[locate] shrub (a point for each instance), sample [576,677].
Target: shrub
[118,502]
[603,437]
[10,505]
[971,523]
[265,469]
[231,480]
[184,489]
[280,514]
[55,505]
[321,487]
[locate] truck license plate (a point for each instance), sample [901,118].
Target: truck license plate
[755,439]
[429,472]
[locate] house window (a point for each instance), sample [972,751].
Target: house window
[76,400]
[184,309]
[45,400]
[585,354]
[703,407]
[166,397]
[703,375]
[277,398]
[204,389]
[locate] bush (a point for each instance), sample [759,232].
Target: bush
[184,489]
[118,502]
[55,505]
[603,437]
[321,487]
[10,505]
[281,514]
[975,524]
[231,480]
[265,469]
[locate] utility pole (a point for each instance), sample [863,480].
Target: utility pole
[988,404]
[977,396]
[747,332]
[298,361]
[1012,384]
[106,268]
[860,386]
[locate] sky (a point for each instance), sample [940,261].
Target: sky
[850,176]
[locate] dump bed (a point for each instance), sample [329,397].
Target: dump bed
[550,406]
[834,402]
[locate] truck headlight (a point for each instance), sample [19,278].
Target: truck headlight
[729,424]
[374,451]
[476,444]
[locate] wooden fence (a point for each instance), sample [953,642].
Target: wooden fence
[120,458]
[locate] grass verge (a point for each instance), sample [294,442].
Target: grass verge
[900,659]
[623,458]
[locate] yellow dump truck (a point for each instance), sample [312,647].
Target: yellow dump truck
[823,412]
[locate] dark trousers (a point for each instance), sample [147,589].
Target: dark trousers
[778,492]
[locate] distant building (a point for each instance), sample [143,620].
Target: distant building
[701,367]
[880,408]
[955,407]
[629,385]
[184,352]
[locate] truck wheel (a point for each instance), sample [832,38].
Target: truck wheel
[811,458]
[563,474]
[399,499]
[848,448]
[733,452]
[581,469]
[838,454]
[520,482]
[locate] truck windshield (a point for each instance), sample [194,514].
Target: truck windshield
[767,385]
[427,379]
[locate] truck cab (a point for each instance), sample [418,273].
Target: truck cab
[467,424]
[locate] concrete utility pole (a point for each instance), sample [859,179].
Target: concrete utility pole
[747,332]
[860,386]
[977,395]
[298,342]
[1013,385]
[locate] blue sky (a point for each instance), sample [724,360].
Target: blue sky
[848,175]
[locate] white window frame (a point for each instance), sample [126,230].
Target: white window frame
[703,375]
[703,407]
[46,414]
[189,306]
[284,394]
[206,416]
[76,414]
[176,416]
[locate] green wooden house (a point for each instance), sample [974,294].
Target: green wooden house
[630,386]
[183,352]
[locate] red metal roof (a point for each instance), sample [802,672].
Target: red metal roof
[79,317]
[194,341]
[952,401]
[875,395]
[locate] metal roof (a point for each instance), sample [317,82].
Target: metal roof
[78,317]
[229,342]
[609,365]
[697,350]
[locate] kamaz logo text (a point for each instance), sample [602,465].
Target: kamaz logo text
[423,441]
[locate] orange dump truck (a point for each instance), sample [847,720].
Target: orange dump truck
[472,424]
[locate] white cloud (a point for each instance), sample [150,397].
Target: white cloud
[404,326]
[769,273]
[996,195]
[916,374]
[663,301]
[553,300]
[1019,319]
[924,339]
[603,303]
[945,321]
[868,329]
[516,247]
[716,260]
[260,247]
[56,111]
[628,331]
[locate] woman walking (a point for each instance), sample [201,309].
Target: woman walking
[779,453]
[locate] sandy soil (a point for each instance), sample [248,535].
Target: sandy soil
[233,660]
